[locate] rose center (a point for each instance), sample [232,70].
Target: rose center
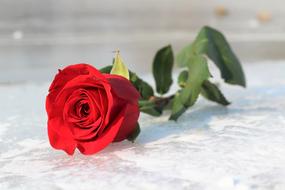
[84,110]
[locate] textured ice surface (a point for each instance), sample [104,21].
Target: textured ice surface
[211,147]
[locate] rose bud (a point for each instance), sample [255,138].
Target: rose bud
[89,110]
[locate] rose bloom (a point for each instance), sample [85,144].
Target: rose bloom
[88,110]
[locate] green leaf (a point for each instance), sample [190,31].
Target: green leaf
[119,68]
[106,69]
[162,69]
[149,107]
[212,92]
[143,87]
[135,133]
[212,43]
[183,56]
[182,78]
[198,72]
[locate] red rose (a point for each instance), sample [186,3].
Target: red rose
[88,110]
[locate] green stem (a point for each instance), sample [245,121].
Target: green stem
[161,102]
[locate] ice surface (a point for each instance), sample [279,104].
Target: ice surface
[211,147]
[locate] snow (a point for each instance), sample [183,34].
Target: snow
[211,147]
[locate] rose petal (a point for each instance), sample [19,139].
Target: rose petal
[72,71]
[60,136]
[129,123]
[107,104]
[70,114]
[87,127]
[51,108]
[91,147]
[123,88]
[87,133]
[127,95]
[77,98]
[83,82]
[66,75]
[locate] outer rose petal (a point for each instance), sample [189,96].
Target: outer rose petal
[123,88]
[72,71]
[60,139]
[91,147]
[129,124]
[126,92]
[51,108]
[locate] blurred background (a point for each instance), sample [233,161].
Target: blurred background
[37,36]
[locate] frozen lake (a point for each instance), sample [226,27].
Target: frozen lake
[241,147]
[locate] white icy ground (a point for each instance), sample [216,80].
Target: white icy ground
[210,148]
